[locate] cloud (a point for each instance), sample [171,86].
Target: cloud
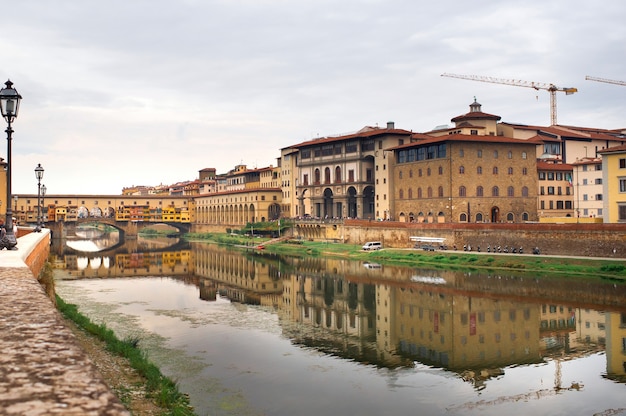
[142,92]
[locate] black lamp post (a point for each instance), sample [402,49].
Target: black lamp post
[39,176]
[9,106]
[43,212]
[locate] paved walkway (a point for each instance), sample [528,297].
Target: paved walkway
[43,371]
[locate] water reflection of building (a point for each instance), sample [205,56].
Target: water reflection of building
[94,265]
[390,316]
[244,277]
[616,345]
[461,332]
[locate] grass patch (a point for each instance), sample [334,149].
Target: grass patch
[162,389]
[454,260]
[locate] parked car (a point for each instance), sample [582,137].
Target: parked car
[372,245]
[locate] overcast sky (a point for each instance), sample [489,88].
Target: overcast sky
[126,92]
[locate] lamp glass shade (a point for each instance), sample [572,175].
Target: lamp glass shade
[39,172]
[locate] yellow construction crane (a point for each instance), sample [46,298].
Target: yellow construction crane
[535,85]
[608,81]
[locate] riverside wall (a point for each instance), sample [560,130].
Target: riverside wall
[43,370]
[588,240]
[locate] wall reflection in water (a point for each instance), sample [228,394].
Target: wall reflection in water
[473,324]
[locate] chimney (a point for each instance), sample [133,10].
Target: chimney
[391,125]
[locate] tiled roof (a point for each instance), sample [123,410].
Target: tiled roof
[422,140]
[363,133]
[476,115]
[554,166]
[615,149]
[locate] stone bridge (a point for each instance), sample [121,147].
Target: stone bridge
[128,229]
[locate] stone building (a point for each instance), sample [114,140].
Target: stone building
[465,178]
[466,173]
[342,176]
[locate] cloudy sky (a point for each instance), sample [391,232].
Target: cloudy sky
[141,92]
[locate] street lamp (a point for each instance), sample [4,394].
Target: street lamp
[9,106]
[39,176]
[43,206]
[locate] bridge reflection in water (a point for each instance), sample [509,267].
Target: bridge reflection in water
[473,324]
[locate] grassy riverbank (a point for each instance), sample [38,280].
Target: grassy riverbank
[445,259]
[161,393]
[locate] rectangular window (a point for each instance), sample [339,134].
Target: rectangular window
[622,163]
[305,154]
[550,176]
[351,175]
[622,185]
[622,212]
[542,176]
[351,147]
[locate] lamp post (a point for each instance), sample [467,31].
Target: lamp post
[43,212]
[9,106]
[39,176]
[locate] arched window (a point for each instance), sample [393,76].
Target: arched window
[479,191]
[327,175]
[338,174]
[440,192]
[461,170]
[410,173]
[430,192]
[428,172]
[524,191]
[317,177]
[419,172]
[510,191]
[441,170]
[463,217]
[400,174]
[479,170]
[525,216]
[462,191]
[419,193]
[510,155]
[510,170]
[495,191]
[510,217]
[479,217]
[495,170]
[401,194]
[410,193]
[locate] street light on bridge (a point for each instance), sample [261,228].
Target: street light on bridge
[9,106]
[39,176]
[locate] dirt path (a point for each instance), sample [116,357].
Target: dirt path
[123,380]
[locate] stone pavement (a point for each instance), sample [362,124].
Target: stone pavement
[43,371]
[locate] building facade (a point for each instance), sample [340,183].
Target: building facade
[614,184]
[344,176]
[556,190]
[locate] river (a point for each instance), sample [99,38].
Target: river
[249,333]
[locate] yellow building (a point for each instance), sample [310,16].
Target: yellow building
[556,189]
[614,184]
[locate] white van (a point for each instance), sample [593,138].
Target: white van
[372,245]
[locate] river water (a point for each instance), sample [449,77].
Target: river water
[248,333]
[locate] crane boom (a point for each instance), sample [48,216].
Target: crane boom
[608,81]
[519,83]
